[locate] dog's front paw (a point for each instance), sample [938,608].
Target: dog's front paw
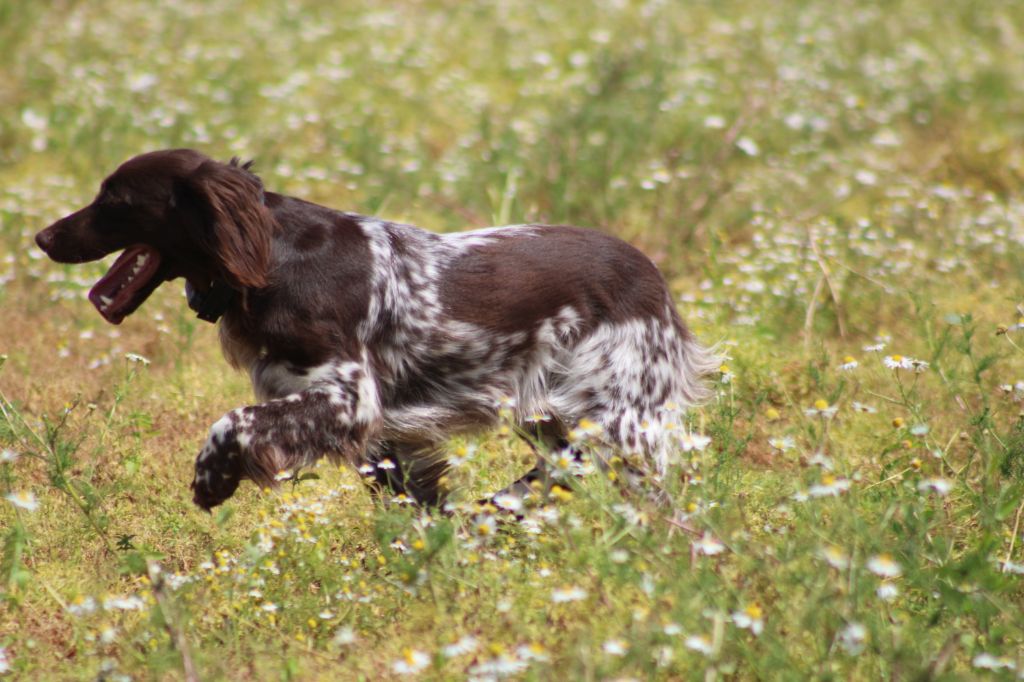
[218,468]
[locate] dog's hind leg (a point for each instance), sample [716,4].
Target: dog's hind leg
[547,439]
[412,469]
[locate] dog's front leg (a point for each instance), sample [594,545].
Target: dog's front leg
[334,417]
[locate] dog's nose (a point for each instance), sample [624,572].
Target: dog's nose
[44,240]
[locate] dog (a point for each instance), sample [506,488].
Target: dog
[372,342]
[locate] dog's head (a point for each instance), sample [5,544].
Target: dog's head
[174,213]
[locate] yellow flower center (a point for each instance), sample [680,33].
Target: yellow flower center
[560,493]
[820,404]
[754,611]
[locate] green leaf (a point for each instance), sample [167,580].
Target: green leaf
[135,561]
[132,464]
[224,514]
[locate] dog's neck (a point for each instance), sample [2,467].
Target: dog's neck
[211,304]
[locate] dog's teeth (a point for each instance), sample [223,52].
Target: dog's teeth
[106,302]
[140,260]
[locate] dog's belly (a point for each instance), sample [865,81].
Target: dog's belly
[459,389]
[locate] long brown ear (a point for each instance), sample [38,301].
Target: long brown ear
[241,226]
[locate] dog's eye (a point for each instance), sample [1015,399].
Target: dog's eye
[114,214]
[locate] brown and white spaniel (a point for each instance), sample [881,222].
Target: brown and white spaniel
[372,342]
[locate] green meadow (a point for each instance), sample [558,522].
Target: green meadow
[833,191]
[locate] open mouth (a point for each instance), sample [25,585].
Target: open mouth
[128,282]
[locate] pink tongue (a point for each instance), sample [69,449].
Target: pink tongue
[116,293]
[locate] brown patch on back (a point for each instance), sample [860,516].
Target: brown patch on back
[515,282]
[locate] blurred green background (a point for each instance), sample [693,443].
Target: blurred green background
[813,178]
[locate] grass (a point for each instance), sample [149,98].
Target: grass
[815,179]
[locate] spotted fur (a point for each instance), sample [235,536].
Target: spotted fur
[375,341]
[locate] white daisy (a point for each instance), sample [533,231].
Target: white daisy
[750,618]
[129,603]
[512,503]
[822,409]
[987,661]
[852,638]
[835,557]
[411,663]
[830,486]
[568,594]
[344,636]
[700,643]
[82,606]
[887,591]
[885,566]
[484,525]
[939,486]
[532,652]
[502,666]
[708,545]
[693,441]
[465,645]
[23,500]
[615,647]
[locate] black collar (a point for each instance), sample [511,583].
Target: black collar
[212,304]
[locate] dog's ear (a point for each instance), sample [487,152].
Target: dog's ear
[237,225]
